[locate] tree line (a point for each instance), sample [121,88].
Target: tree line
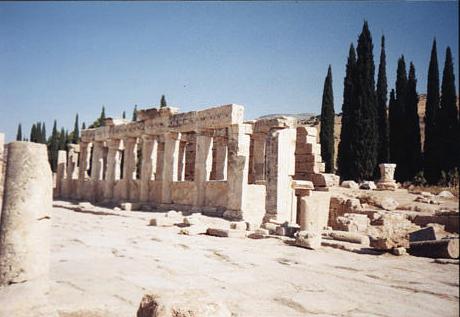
[375,132]
[60,139]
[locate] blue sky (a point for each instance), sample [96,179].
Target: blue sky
[57,59]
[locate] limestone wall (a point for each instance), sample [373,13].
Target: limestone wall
[205,160]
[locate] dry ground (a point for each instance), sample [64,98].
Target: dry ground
[104,264]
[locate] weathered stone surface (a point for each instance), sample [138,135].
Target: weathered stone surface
[181,304]
[25,221]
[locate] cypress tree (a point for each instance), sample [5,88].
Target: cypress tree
[397,143]
[163,101]
[19,133]
[326,135]
[343,155]
[83,126]
[124,115]
[43,134]
[76,131]
[39,132]
[364,131]
[413,143]
[393,123]
[449,117]
[53,147]
[135,113]
[431,147]
[33,133]
[62,140]
[382,90]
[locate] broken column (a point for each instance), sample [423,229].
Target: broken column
[203,166]
[113,167]
[237,171]
[60,173]
[280,167]
[148,165]
[129,166]
[25,221]
[387,181]
[170,165]
[97,164]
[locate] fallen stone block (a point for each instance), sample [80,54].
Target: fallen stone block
[350,184]
[271,227]
[226,233]
[368,185]
[351,237]
[445,194]
[130,206]
[259,234]
[193,230]
[309,240]
[352,222]
[399,251]
[388,203]
[181,304]
[445,248]
[388,243]
[424,234]
[240,225]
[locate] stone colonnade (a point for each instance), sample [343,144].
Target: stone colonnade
[210,161]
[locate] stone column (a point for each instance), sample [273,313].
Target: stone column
[113,167]
[203,166]
[129,166]
[170,164]
[25,221]
[221,160]
[82,170]
[148,165]
[60,173]
[259,157]
[387,181]
[237,168]
[97,164]
[181,161]
[280,167]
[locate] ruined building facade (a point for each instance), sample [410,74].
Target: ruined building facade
[210,161]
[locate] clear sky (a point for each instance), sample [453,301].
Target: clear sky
[60,58]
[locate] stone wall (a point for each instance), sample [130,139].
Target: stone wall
[201,160]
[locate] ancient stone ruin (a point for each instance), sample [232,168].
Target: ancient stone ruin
[210,160]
